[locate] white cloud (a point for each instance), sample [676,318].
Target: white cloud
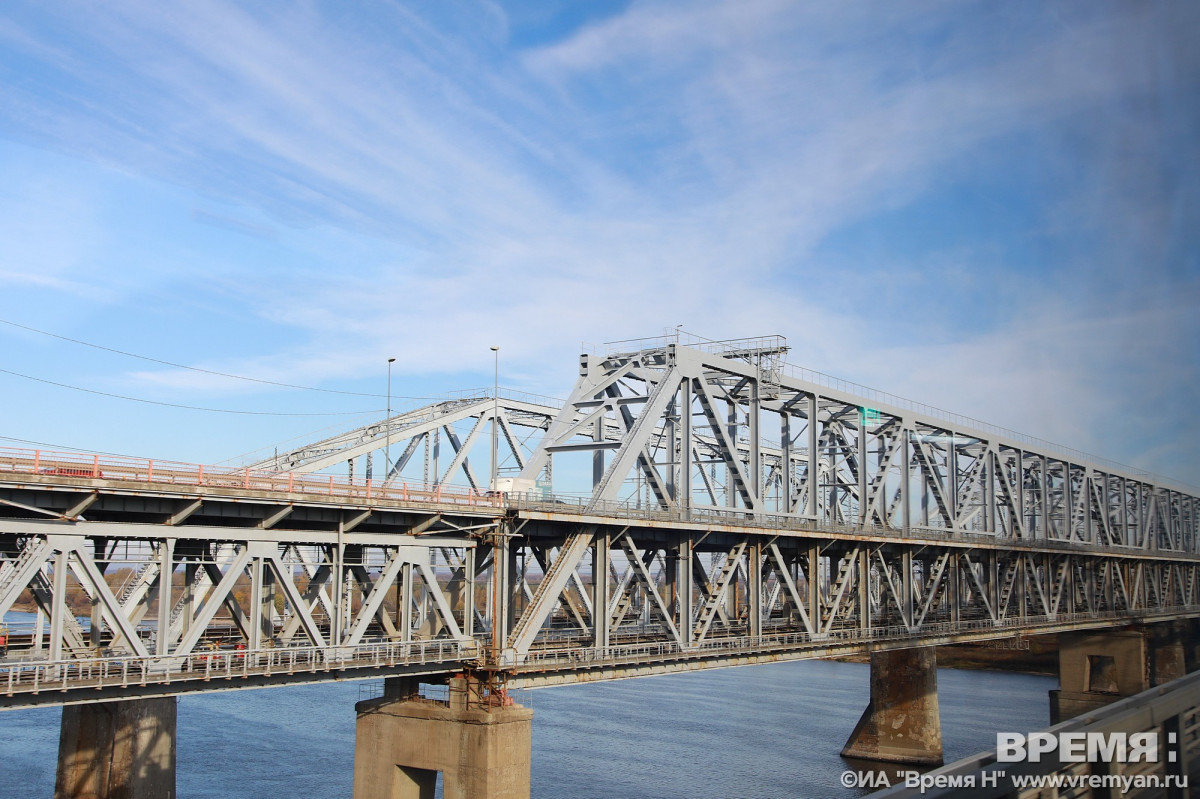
[676,163]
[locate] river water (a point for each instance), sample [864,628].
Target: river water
[754,731]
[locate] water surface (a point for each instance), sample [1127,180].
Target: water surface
[754,731]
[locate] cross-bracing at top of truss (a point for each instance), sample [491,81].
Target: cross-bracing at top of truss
[728,427]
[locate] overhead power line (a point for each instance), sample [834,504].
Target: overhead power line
[197,368]
[179,405]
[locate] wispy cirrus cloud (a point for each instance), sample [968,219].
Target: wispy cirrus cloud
[740,168]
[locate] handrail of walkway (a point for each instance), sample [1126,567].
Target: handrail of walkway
[45,463]
[22,677]
[1167,715]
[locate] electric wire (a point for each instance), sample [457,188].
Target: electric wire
[180,405]
[197,368]
[65,448]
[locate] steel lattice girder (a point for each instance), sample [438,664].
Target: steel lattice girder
[694,590]
[407,430]
[731,433]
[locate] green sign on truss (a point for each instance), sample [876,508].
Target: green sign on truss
[870,416]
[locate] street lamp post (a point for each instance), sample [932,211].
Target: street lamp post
[495,413]
[387,448]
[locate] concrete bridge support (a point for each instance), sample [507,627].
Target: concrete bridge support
[402,742]
[901,723]
[1190,629]
[1096,669]
[1167,649]
[117,750]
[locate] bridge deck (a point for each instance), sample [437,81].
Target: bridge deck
[326,578]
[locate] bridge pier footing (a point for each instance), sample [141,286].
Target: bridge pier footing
[402,742]
[117,750]
[901,723]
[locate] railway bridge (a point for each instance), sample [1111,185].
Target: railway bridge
[736,510]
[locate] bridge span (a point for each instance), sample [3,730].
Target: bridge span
[741,511]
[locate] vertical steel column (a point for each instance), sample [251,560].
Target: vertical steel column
[906,585]
[1022,506]
[788,505]
[1124,511]
[337,624]
[1044,523]
[863,456]
[754,589]
[468,625]
[1068,508]
[732,431]
[863,578]
[406,602]
[58,604]
[813,462]
[753,424]
[1022,583]
[684,498]
[813,579]
[501,589]
[991,565]
[954,597]
[671,434]
[683,591]
[598,454]
[436,455]
[905,476]
[988,477]
[952,483]
[189,595]
[166,568]
[256,603]
[601,579]
[1089,529]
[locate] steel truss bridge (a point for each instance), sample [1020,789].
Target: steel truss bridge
[741,511]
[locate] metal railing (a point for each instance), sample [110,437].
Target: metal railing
[32,677]
[78,466]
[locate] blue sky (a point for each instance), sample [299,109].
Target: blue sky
[991,208]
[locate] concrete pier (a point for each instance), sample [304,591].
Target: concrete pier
[117,750]
[902,723]
[1096,669]
[402,742]
[1167,651]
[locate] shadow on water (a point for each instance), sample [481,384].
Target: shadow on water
[756,731]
